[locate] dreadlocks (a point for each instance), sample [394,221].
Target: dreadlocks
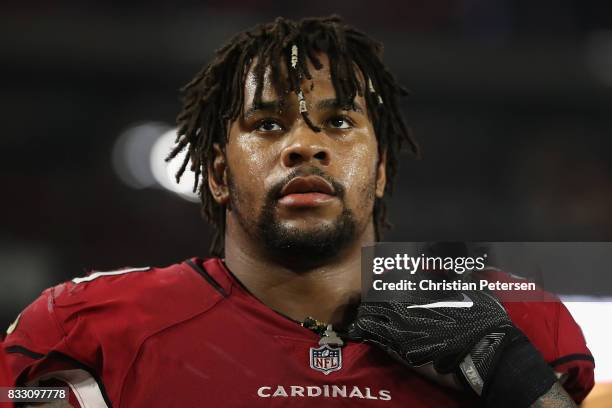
[215,97]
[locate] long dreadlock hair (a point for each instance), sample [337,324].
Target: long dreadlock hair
[215,96]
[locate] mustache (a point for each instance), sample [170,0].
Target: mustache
[275,191]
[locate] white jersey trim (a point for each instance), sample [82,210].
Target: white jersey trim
[96,275]
[84,387]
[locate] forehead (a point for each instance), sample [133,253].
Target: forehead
[320,86]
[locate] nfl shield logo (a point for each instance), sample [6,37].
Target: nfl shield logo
[326,359]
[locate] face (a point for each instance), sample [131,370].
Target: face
[300,192]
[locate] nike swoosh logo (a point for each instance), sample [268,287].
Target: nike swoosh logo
[466,302]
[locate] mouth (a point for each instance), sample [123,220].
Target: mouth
[306,191]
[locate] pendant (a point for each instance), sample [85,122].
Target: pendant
[328,357]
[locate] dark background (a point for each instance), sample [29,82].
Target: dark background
[511,102]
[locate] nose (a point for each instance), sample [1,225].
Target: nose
[306,148]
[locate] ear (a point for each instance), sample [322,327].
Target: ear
[217,176]
[381,175]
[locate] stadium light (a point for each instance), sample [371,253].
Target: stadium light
[138,159]
[164,173]
[130,157]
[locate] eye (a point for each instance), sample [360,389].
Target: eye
[269,125]
[339,122]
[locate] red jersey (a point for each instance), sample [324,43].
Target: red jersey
[5,376]
[190,335]
[6,379]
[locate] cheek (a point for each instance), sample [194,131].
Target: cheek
[359,175]
[249,162]
[248,152]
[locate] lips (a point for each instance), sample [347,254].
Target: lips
[308,184]
[310,191]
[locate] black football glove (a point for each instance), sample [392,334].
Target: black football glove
[465,334]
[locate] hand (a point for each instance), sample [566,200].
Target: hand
[467,335]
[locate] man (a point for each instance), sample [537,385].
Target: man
[293,131]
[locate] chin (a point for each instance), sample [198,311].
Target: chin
[305,243]
[307,225]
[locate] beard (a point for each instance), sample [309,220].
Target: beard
[295,246]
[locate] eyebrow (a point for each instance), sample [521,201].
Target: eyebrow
[275,106]
[264,106]
[327,104]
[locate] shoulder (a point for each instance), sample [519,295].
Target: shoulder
[550,327]
[134,284]
[108,310]
[539,314]
[123,294]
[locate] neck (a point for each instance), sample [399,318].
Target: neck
[326,292]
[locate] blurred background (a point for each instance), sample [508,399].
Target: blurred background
[511,102]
